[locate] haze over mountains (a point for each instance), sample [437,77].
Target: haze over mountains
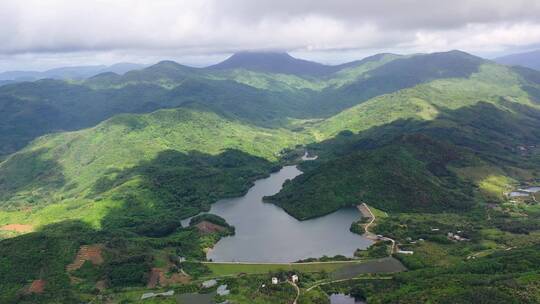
[275,62]
[65,73]
[528,59]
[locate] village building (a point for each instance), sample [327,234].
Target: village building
[275,280]
[149,295]
[294,278]
[222,290]
[209,283]
[405,251]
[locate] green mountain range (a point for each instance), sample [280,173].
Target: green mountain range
[123,158]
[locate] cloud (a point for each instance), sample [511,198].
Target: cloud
[139,28]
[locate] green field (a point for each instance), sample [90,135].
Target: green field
[228,269]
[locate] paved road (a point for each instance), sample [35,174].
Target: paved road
[297,291]
[343,280]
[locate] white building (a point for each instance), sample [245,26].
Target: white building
[294,278]
[275,280]
[149,295]
[209,283]
[405,251]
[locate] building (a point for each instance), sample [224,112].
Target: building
[149,295]
[209,283]
[275,280]
[222,290]
[405,251]
[294,278]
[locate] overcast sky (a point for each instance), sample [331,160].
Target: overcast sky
[38,34]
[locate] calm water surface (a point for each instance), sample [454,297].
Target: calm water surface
[266,233]
[339,298]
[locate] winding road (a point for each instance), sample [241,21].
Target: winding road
[364,209]
[297,291]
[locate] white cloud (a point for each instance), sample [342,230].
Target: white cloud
[78,31]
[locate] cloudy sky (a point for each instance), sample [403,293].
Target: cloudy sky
[37,34]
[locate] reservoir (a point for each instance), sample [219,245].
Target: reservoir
[266,233]
[339,298]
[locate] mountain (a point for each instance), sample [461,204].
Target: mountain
[80,165]
[74,72]
[433,91]
[528,59]
[264,99]
[4,82]
[431,142]
[452,115]
[274,62]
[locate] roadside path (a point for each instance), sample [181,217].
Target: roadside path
[364,209]
[343,280]
[287,264]
[297,291]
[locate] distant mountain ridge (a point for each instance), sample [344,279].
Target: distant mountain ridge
[32,109]
[528,59]
[72,72]
[274,62]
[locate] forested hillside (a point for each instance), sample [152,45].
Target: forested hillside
[433,140]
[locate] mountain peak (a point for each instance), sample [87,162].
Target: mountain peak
[272,62]
[261,54]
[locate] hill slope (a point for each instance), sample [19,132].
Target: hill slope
[488,114]
[76,167]
[263,98]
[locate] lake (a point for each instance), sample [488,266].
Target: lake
[339,298]
[266,233]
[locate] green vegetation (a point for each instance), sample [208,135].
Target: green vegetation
[378,250]
[250,290]
[435,140]
[195,269]
[226,269]
[202,157]
[503,277]
[396,177]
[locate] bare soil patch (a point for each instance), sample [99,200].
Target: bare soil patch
[101,285]
[206,227]
[20,228]
[92,253]
[37,286]
[159,277]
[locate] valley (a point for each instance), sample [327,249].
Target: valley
[167,177]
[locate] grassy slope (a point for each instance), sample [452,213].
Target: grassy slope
[264,99]
[66,167]
[424,101]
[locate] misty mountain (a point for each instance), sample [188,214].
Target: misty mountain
[528,59]
[274,62]
[73,72]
